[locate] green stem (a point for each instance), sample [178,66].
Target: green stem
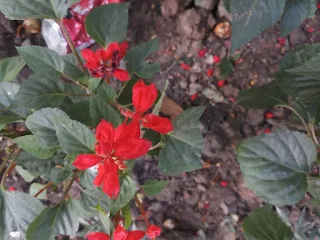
[74,177]
[159,144]
[122,89]
[313,134]
[9,168]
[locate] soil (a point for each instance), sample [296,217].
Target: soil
[213,201]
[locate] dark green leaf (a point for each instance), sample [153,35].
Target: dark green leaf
[24,9]
[99,110]
[261,97]
[106,92]
[310,113]
[295,12]
[28,177]
[61,219]
[226,68]
[155,138]
[17,210]
[108,23]
[264,224]
[71,70]
[136,59]
[74,137]
[126,213]
[125,97]
[94,83]
[183,146]
[106,222]
[227,4]
[38,92]
[8,92]
[86,179]
[314,187]
[251,17]
[276,165]
[80,112]
[127,192]
[30,144]
[10,68]
[42,126]
[154,187]
[91,198]
[76,93]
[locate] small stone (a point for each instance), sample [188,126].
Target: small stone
[196,68]
[195,47]
[169,8]
[255,117]
[183,84]
[188,24]
[169,223]
[209,60]
[207,4]
[195,88]
[26,42]
[211,21]
[193,78]
[201,188]
[222,11]
[213,95]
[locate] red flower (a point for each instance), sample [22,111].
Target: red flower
[216,59]
[224,183]
[202,53]
[221,83]
[267,131]
[282,41]
[269,115]
[105,62]
[143,98]
[153,231]
[185,66]
[210,72]
[318,5]
[310,29]
[193,97]
[113,147]
[12,188]
[119,234]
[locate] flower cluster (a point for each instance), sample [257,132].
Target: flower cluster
[105,62]
[121,234]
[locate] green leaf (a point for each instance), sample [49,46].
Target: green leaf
[35,188]
[8,92]
[106,92]
[127,192]
[17,210]
[226,68]
[136,59]
[74,137]
[295,12]
[61,219]
[314,187]
[227,5]
[24,9]
[264,224]
[251,17]
[28,177]
[108,23]
[183,146]
[72,70]
[42,126]
[94,83]
[46,168]
[91,198]
[154,187]
[276,165]
[76,93]
[99,110]
[30,144]
[38,92]
[261,97]
[10,68]
[106,222]
[126,213]
[125,97]
[80,111]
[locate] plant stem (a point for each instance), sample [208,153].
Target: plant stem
[75,82]
[72,47]
[42,189]
[6,161]
[74,177]
[121,90]
[141,208]
[9,168]
[159,144]
[313,134]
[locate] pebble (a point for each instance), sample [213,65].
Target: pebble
[193,78]
[183,84]
[195,88]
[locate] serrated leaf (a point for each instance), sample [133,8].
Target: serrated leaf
[127,192]
[314,187]
[13,218]
[126,213]
[74,137]
[72,70]
[24,9]
[275,166]
[136,59]
[61,219]
[38,92]
[35,188]
[46,168]
[101,110]
[42,126]
[108,23]
[106,222]
[93,83]
[106,92]
[92,198]
[30,144]
[154,187]
[264,224]
[76,93]
[262,97]
[8,92]
[295,12]
[80,111]
[183,146]
[28,177]
[10,68]
[251,17]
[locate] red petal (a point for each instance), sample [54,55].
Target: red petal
[111,49]
[97,236]
[143,96]
[202,53]
[185,66]
[88,54]
[135,235]
[153,231]
[123,49]
[99,178]
[120,233]
[121,75]
[125,131]
[105,131]
[157,123]
[216,59]
[111,183]
[132,148]
[84,161]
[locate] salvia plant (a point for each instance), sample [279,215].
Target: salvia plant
[87,118]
